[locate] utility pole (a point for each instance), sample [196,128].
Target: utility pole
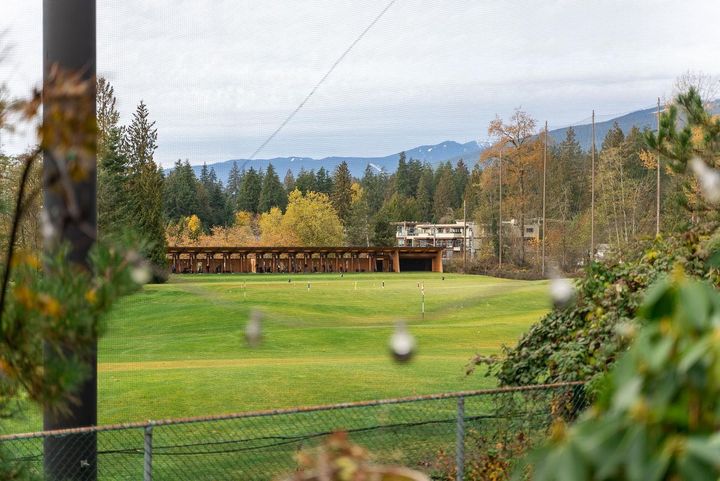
[500,241]
[543,202]
[464,237]
[69,43]
[592,193]
[657,193]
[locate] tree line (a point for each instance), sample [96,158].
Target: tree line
[364,208]
[318,207]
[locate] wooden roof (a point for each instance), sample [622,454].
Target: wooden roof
[297,250]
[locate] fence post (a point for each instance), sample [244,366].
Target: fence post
[460,440]
[148,453]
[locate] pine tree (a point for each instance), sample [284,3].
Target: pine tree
[461,176]
[306,181]
[108,117]
[342,191]
[323,182]
[425,195]
[232,190]
[180,192]
[112,186]
[403,181]
[272,193]
[250,188]
[444,195]
[146,186]
[140,138]
[374,187]
[219,212]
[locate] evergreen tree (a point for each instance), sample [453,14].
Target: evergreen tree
[614,138]
[146,187]
[140,138]
[403,180]
[180,192]
[461,176]
[108,117]
[219,212]
[425,196]
[323,182]
[112,186]
[250,188]
[444,195]
[272,193]
[383,230]
[306,181]
[374,186]
[415,171]
[232,189]
[342,191]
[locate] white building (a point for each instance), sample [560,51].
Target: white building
[450,236]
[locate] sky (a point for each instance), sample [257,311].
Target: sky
[220,76]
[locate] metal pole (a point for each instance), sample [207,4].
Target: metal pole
[592,193]
[69,43]
[148,457]
[543,202]
[460,440]
[500,246]
[464,237]
[657,193]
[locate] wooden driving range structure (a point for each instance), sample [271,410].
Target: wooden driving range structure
[191,259]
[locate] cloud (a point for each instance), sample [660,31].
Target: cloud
[220,75]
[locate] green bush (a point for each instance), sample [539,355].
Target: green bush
[581,341]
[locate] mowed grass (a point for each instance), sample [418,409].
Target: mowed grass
[178,349]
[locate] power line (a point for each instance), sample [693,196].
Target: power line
[322,80]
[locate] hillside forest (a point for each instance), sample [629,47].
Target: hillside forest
[137,198]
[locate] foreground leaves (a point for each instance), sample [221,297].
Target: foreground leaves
[658,412]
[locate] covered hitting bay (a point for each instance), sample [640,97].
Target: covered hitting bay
[191,259]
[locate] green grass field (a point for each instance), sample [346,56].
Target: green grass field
[178,349]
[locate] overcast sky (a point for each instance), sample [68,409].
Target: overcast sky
[219,76]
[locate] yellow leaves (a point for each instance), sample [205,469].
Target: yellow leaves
[558,431]
[26,258]
[46,304]
[640,411]
[24,296]
[357,192]
[6,370]
[91,296]
[698,135]
[49,306]
[194,225]
[243,218]
[648,159]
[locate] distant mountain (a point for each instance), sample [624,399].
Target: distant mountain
[433,154]
[642,119]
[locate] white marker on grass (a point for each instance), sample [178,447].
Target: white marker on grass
[253,329]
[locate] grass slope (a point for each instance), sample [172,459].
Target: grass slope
[177,349]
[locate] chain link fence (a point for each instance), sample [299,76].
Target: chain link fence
[454,436]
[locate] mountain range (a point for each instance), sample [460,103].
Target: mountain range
[432,154]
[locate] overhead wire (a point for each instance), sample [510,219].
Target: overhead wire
[321,81]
